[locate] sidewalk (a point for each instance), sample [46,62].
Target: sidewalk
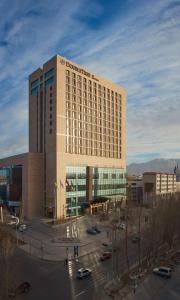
[52,244]
[58,252]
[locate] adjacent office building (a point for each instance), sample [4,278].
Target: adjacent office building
[134,188]
[77,141]
[158,186]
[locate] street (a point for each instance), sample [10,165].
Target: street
[157,288]
[46,269]
[52,279]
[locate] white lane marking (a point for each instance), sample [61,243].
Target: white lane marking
[77,295]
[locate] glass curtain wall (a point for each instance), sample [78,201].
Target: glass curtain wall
[75,189]
[106,182]
[4,185]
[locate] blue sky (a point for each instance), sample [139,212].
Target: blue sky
[134,43]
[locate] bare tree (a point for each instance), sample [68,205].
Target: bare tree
[7,248]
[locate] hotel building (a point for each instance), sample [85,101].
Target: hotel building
[77,141]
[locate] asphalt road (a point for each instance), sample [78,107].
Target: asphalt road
[158,288]
[55,280]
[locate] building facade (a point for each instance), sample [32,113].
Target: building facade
[134,189]
[158,185]
[77,123]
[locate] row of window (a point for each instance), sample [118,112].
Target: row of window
[83,89]
[47,82]
[93,151]
[90,84]
[108,186]
[48,77]
[50,109]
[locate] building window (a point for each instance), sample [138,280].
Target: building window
[34,83]
[49,73]
[105,176]
[50,131]
[49,81]
[35,90]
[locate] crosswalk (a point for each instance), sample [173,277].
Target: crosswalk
[100,274]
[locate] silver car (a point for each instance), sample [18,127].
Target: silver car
[163,271]
[83,273]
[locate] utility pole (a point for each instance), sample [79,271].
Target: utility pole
[55,201]
[112,252]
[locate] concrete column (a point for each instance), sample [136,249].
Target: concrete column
[89,182]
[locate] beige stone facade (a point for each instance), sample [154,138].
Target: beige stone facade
[158,185]
[77,119]
[32,181]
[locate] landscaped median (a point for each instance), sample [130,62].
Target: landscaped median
[127,283]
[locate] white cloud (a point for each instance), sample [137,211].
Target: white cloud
[139,50]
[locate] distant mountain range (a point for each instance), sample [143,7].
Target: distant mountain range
[155,165]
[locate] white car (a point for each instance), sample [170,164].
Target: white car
[163,271]
[121,226]
[22,227]
[83,273]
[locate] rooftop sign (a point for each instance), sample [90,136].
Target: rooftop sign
[77,69]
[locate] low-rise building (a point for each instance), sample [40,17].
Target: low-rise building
[134,189]
[158,185]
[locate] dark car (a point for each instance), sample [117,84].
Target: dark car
[105,256]
[135,239]
[96,229]
[105,244]
[21,289]
[91,231]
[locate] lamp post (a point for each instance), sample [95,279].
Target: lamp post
[1,213]
[55,201]
[17,222]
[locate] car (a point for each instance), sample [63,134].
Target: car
[135,239]
[22,227]
[21,289]
[91,231]
[121,226]
[109,247]
[163,271]
[96,229]
[105,256]
[105,244]
[83,273]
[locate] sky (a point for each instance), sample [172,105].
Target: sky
[135,43]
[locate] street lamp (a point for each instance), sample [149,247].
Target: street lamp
[55,201]
[16,224]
